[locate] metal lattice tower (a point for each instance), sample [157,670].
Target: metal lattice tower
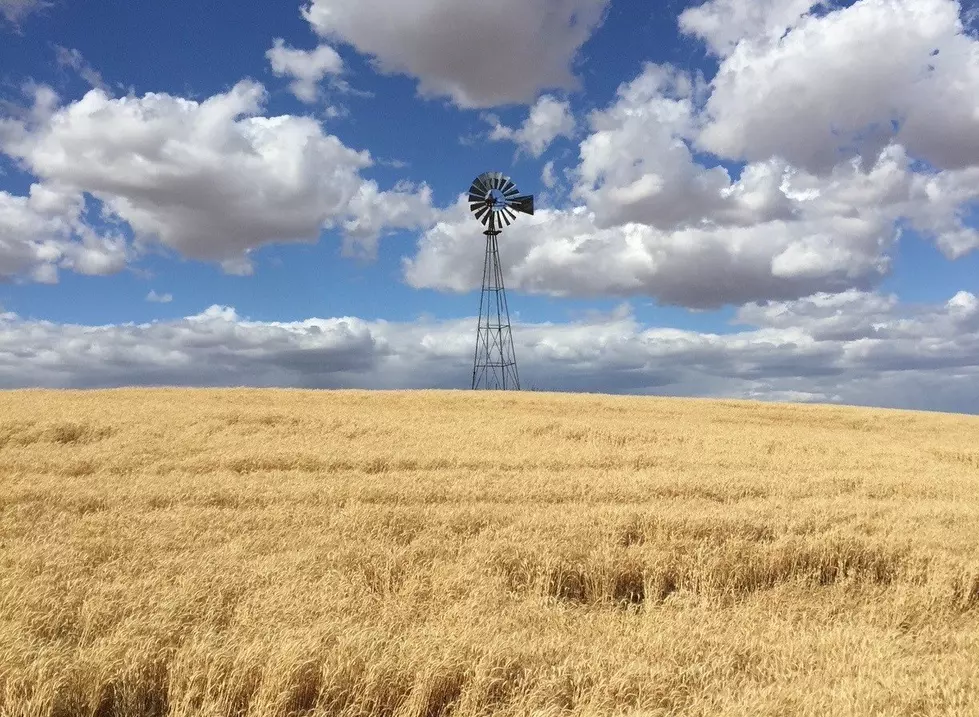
[495,201]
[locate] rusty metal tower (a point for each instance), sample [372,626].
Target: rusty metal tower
[495,200]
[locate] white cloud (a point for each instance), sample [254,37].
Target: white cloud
[212,180]
[44,232]
[72,58]
[549,119]
[480,54]
[547,176]
[854,348]
[651,218]
[963,304]
[567,253]
[635,164]
[405,206]
[938,207]
[156,298]
[722,24]
[306,67]
[854,79]
[14,11]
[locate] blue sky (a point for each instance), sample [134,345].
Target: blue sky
[703,172]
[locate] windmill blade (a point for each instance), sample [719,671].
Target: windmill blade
[495,201]
[523,204]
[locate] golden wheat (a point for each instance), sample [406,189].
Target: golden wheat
[254,552]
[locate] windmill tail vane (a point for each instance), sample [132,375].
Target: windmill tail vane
[495,201]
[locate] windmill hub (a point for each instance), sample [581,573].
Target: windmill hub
[495,201]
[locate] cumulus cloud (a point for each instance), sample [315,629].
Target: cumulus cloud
[566,253]
[636,165]
[373,212]
[478,54]
[307,68]
[855,347]
[549,119]
[156,298]
[45,231]
[215,347]
[212,179]
[722,24]
[818,87]
[651,220]
[648,216]
[15,11]
[939,207]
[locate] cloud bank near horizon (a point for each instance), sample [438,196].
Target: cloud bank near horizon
[852,348]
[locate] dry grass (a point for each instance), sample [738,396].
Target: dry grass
[247,552]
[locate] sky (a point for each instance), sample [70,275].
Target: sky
[762,199]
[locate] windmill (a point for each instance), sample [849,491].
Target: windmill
[495,200]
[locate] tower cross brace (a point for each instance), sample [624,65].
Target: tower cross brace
[495,363]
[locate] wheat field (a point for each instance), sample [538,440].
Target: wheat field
[426,554]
